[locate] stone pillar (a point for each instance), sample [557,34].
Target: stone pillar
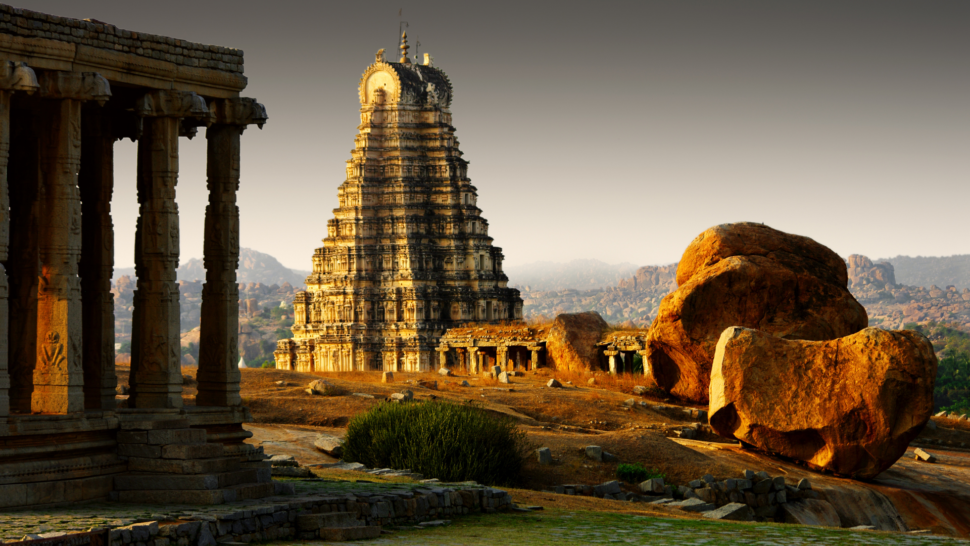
[645,364]
[518,358]
[218,344]
[58,374]
[473,360]
[96,181]
[13,77]
[535,359]
[156,375]
[442,357]
[501,356]
[612,355]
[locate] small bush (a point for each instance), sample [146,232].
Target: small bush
[269,364]
[636,473]
[441,440]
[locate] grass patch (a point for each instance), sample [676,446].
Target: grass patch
[636,473]
[441,440]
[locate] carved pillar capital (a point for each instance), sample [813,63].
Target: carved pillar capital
[17,76]
[173,104]
[240,111]
[74,85]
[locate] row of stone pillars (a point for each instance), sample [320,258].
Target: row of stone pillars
[476,362]
[622,361]
[57,247]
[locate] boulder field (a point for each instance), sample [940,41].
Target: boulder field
[850,405]
[748,275]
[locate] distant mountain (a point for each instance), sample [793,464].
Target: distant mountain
[253,267]
[926,271]
[577,275]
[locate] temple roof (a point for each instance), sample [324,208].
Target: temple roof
[406,83]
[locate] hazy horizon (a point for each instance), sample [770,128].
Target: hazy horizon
[614,131]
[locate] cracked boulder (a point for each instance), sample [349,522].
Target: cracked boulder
[850,405]
[753,276]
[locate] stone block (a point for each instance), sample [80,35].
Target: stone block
[132,437]
[705,494]
[762,487]
[607,488]
[609,457]
[154,424]
[140,450]
[192,451]
[653,486]
[45,493]
[503,377]
[214,496]
[766,511]
[544,455]
[924,456]
[387,377]
[804,484]
[733,512]
[177,466]
[146,482]
[176,436]
[778,483]
[594,452]
[314,522]
[343,534]
[692,505]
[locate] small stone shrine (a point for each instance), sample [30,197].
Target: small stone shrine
[407,254]
[68,90]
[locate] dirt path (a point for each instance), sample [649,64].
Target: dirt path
[295,440]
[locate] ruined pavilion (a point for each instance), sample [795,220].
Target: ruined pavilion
[407,254]
[68,90]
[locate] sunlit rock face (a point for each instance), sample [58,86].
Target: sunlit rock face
[849,405]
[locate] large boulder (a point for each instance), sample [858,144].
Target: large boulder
[753,276]
[571,343]
[848,405]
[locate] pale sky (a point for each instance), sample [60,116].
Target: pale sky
[611,130]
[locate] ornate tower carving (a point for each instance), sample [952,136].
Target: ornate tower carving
[407,254]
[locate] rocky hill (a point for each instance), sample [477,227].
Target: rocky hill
[254,266]
[889,301]
[929,270]
[577,274]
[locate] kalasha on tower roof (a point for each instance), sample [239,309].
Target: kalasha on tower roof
[407,255]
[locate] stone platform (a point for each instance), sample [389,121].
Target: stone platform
[352,505]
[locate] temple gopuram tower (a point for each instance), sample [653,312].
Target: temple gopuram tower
[407,254]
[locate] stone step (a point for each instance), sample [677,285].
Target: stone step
[264,469]
[157,482]
[192,451]
[163,437]
[179,466]
[211,496]
[314,522]
[154,424]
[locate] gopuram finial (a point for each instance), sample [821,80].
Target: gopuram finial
[404,48]
[380,55]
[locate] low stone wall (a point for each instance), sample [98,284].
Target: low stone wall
[278,518]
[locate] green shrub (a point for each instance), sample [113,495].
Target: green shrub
[636,473]
[441,440]
[268,364]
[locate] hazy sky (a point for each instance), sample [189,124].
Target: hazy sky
[608,130]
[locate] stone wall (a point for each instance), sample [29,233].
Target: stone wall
[32,24]
[280,520]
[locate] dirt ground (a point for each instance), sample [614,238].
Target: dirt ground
[286,420]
